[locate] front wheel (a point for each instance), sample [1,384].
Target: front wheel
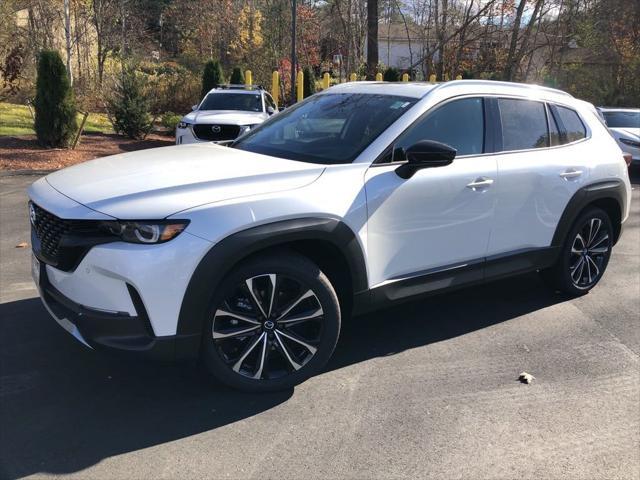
[274,323]
[584,255]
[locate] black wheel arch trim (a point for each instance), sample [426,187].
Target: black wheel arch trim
[608,189]
[224,255]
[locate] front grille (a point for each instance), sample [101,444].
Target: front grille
[216,132]
[49,229]
[60,242]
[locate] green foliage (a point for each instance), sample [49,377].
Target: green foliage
[169,120]
[391,75]
[130,106]
[309,83]
[237,77]
[55,111]
[211,77]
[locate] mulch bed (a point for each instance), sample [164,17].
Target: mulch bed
[24,153]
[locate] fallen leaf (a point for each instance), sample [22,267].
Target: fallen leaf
[22,245]
[526,378]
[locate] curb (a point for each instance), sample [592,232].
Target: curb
[15,173]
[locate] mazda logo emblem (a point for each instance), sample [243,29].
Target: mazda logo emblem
[32,215]
[216,128]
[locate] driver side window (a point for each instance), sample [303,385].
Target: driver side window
[458,123]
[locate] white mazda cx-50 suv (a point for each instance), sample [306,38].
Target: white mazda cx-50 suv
[367,193]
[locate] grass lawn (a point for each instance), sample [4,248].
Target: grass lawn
[16,120]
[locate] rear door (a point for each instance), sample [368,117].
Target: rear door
[542,164]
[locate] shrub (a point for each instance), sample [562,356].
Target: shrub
[237,77]
[169,120]
[55,117]
[391,75]
[211,77]
[309,83]
[129,106]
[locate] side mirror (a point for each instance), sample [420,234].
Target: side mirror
[270,110]
[425,154]
[194,107]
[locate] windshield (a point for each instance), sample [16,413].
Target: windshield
[232,101]
[329,128]
[622,119]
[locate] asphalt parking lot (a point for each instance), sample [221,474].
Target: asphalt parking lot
[426,390]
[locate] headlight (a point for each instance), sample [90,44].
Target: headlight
[631,143]
[245,128]
[182,124]
[145,232]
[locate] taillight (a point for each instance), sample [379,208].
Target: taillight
[627,158]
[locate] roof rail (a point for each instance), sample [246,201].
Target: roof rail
[507,84]
[233,86]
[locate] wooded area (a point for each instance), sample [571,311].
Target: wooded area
[590,48]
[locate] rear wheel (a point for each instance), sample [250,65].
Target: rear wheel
[274,323]
[585,254]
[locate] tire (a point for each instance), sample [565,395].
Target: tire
[279,333]
[585,254]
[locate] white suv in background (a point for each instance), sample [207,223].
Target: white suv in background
[225,113]
[624,125]
[362,195]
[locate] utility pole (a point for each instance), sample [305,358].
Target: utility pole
[294,9]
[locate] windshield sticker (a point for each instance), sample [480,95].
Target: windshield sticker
[399,104]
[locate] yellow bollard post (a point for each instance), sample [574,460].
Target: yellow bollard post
[248,81]
[353,77]
[458,77]
[405,77]
[432,78]
[275,86]
[326,81]
[300,85]
[378,77]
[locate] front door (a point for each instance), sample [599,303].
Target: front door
[441,218]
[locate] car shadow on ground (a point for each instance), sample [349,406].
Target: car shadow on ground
[64,408]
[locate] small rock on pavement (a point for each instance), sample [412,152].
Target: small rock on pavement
[526,378]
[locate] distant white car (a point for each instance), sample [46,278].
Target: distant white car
[225,113]
[624,125]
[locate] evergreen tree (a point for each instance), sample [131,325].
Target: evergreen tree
[237,77]
[211,77]
[309,83]
[55,117]
[391,75]
[129,105]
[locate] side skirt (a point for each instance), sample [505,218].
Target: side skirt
[454,277]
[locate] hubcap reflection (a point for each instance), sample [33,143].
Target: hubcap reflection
[269,327]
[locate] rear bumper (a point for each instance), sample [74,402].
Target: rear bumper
[115,331]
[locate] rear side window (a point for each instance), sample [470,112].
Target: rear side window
[572,125]
[459,124]
[524,124]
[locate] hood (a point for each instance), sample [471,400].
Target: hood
[158,182]
[627,132]
[226,117]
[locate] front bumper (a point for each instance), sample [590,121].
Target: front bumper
[114,331]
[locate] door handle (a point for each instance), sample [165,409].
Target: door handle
[571,173]
[481,182]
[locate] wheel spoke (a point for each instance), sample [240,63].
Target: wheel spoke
[249,283]
[234,333]
[588,269]
[305,295]
[594,228]
[298,340]
[595,266]
[263,356]
[579,266]
[283,349]
[248,350]
[227,313]
[596,243]
[302,318]
[273,278]
[578,249]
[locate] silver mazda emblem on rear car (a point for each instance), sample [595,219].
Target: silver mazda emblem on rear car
[216,128]
[32,215]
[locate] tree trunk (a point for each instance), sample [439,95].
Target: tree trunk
[372,38]
[67,34]
[510,64]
